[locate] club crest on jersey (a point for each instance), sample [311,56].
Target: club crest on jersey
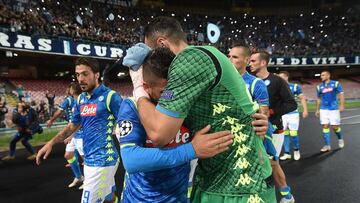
[125,128]
[167,94]
[267,82]
[88,110]
[101,98]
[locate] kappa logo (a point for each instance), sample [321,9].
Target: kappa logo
[101,98]
[88,110]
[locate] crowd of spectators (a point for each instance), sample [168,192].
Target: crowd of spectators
[302,34]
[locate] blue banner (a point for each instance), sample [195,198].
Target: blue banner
[13,41]
[314,61]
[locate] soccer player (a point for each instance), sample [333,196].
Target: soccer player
[291,120]
[328,109]
[75,143]
[160,174]
[96,111]
[240,57]
[204,88]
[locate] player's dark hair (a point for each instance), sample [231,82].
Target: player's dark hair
[157,63]
[90,62]
[326,71]
[76,87]
[264,55]
[285,73]
[167,26]
[243,46]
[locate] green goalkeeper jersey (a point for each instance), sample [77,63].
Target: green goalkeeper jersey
[205,88]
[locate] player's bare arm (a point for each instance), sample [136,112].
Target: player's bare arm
[160,128]
[304,105]
[342,102]
[46,149]
[318,102]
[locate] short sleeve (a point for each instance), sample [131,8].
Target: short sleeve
[115,103]
[339,88]
[191,74]
[260,93]
[298,90]
[76,119]
[65,104]
[130,130]
[318,93]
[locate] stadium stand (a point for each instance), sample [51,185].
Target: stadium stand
[304,34]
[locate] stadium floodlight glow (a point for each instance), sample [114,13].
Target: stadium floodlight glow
[317,75]
[284,23]
[173,14]
[326,16]
[111,16]
[343,18]
[213,32]
[311,27]
[58,3]
[187,15]
[162,9]
[301,15]
[312,13]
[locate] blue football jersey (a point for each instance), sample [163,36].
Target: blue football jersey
[67,105]
[328,92]
[165,185]
[97,113]
[295,90]
[257,89]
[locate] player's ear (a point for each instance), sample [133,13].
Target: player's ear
[161,42]
[97,76]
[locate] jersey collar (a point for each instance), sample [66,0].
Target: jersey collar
[97,91]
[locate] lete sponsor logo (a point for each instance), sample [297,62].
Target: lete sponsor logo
[329,89]
[88,110]
[181,137]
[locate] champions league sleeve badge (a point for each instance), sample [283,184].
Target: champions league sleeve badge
[123,129]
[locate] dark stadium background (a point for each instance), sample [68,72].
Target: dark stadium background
[289,28]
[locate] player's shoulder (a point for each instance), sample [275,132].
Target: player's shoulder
[128,107]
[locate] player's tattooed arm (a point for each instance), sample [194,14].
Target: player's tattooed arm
[64,133]
[47,148]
